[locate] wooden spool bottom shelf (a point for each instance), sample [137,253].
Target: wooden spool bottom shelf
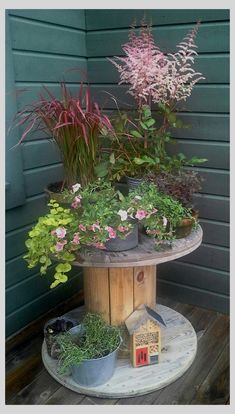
[115,292]
[179,347]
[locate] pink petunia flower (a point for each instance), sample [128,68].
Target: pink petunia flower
[76,202]
[60,245]
[122,229]
[95,226]
[76,238]
[82,227]
[140,214]
[112,232]
[60,232]
[99,245]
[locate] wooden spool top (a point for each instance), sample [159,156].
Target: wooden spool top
[145,254]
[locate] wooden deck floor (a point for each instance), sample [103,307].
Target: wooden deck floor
[205,382]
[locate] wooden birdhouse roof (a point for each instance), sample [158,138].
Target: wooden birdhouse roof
[141,315]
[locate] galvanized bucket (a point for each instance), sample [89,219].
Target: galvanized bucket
[119,245]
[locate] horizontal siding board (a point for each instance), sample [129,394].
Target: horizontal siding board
[30,67]
[31,288]
[27,213]
[215,68]
[194,296]
[195,276]
[70,18]
[111,19]
[210,127]
[15,242]
[48,150]
[217,154]
[215,232]
[215,182]
[37,179]
[35,36]
[204,98]
[17,271]
[23,316]
[212,38]
[212,207]
[214,257]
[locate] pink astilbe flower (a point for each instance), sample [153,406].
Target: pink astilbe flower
[153,75]
[182,77]
[143,66]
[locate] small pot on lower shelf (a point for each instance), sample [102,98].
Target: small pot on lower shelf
[133,183]
[119,245]
[185,226]
[52,329]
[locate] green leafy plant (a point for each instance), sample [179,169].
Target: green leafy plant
[160,214]
[74,124]
[98,214]
[96,340]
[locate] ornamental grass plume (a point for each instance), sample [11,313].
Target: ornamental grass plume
[74,123]
[154,76]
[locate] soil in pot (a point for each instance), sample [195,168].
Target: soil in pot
[185,226]
[54,327]
[119,245]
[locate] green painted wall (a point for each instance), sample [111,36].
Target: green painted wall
[44,46]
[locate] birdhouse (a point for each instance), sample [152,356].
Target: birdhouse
[144,327]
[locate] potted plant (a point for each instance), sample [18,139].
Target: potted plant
[73,123]
[181,185]
[52,329]
[139,144]
[91,353]
[160,213]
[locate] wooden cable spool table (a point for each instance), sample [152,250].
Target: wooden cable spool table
[115,284]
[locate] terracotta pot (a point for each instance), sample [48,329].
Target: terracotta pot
[185,226]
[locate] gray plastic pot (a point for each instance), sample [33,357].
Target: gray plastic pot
[97,371]
[132,183]
[119,245]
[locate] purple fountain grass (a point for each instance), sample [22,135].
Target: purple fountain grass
[74,124]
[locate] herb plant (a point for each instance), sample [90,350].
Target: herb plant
[96,340]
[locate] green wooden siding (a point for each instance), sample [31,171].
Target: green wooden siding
[203,276]
[47,46]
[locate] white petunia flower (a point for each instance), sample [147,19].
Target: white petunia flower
[164,221]
[123,214]
[138,197]
[76,187]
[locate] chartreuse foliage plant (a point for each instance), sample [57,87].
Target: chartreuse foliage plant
[98,213]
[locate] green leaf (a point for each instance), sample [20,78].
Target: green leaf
[68,256]
[54,284]
[61,277]
[63,267]
[139,161]
[143,125]
[112,158]
[150,122]
[43,259]
[135,134]
[146,111]
[101,169]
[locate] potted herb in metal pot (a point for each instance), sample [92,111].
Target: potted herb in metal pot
[90,354]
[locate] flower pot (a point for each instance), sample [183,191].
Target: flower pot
[119,245]
[132,183]
[53,191]
[52,329]
[185,226]
[97,371]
